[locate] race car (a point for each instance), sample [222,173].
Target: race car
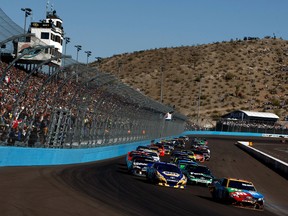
[142,148]
[182,157]
[199,155]
[185,138]
[204,149]
[238,192]
[190,154]
[178,143]
[167,149]
[159,148]
[182,163]
[131,154]
[198,174]
[176,154]
[166,174]
[199,141]
[206,153]
[139,165]
[149,151]
[153,154]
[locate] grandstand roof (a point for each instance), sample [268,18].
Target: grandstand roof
[8,28]
[251,115]
[260,114]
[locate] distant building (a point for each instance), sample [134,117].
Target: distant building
[251,116]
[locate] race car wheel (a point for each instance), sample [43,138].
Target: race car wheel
[147,178]
[258,206]
[214,194]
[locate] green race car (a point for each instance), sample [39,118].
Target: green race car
[198,174]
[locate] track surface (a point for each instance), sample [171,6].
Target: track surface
[105,188]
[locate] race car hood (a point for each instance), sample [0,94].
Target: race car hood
[199,174]
[142,164]
[245,193]
[254,194]
[170,174]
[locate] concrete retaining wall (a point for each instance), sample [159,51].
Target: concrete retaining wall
[275,164]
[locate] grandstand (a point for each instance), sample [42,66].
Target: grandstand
[72,105]
[252,116]
[251,121]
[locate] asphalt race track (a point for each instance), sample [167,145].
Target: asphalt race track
[105,188]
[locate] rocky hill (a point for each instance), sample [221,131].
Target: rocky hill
[210,80]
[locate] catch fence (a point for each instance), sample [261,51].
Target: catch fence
[77,107]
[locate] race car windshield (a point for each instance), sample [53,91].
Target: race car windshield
[199,169]
[241,185]
[198,152]
[142,160]
[169,168]
[152,154]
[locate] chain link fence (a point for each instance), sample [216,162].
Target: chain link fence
[77,107]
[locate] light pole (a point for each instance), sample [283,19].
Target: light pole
[78,47]
[67,40]
[28,12]
[88,54]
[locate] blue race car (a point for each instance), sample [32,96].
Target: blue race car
[138,165]
[166,174]
[238,192]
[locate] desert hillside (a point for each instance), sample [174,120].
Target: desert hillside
[210,80]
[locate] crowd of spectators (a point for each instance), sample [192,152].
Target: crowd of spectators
[191,126]
[26,104]
[251,126]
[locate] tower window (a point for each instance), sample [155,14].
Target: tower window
[52,37]
[44,35]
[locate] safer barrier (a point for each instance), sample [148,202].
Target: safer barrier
[277,165]
[31,156]
[19,156]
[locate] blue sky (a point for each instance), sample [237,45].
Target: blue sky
[110,27]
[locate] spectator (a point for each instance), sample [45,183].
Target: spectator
[12,137]
[33,137]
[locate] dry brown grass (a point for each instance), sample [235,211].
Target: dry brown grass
[232,75]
